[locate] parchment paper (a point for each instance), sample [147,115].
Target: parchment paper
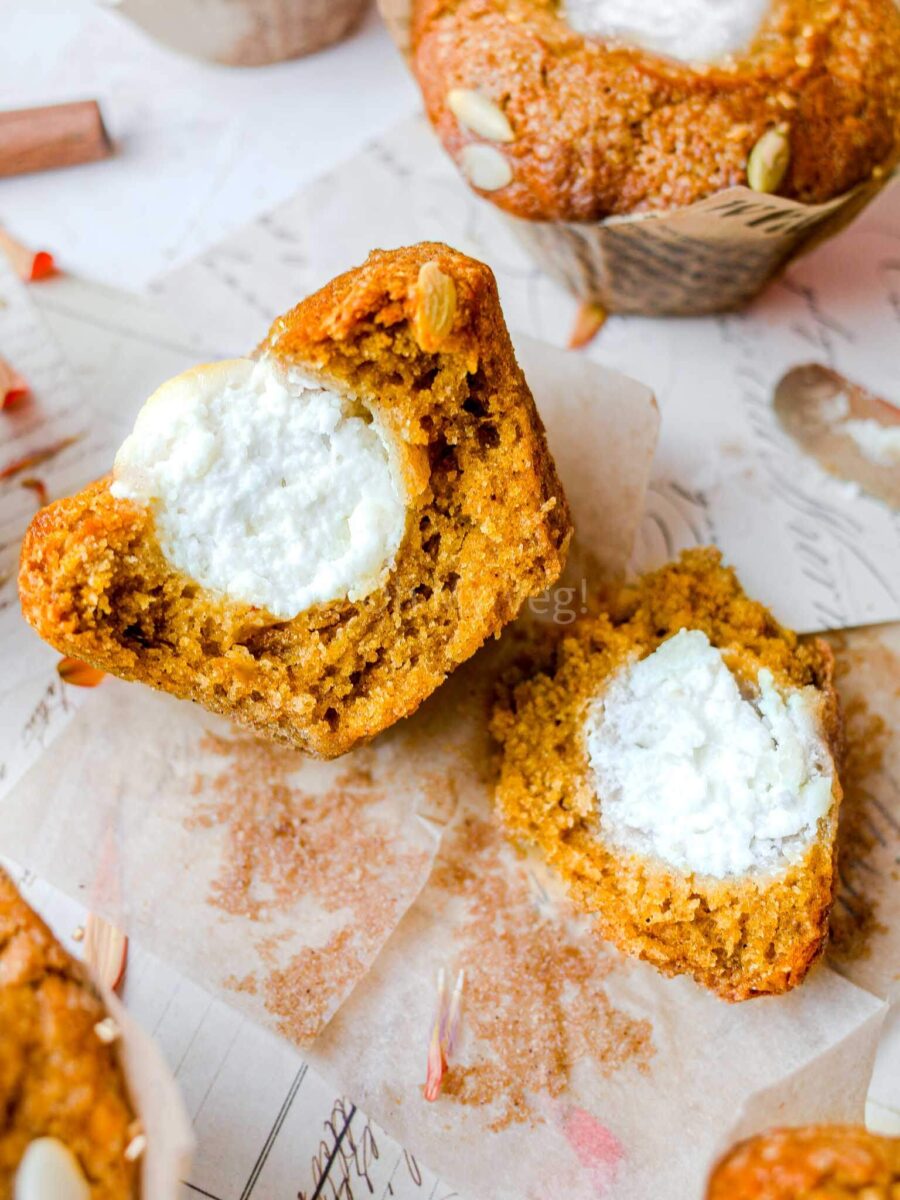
[266,876]
[708,257]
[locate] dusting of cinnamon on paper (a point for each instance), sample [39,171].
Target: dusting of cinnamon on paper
[301,995]
[534,995]
[283,842]
[281,838]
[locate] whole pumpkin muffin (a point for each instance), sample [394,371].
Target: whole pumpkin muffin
[674,758]
[577,110]
[66,1121]
[814,1162]
[311,540]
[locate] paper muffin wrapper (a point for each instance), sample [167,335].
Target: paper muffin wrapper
[711,256]
[707,257]
[246,33]
[157,1105]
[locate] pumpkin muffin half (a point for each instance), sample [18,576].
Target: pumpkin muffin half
[311,541]
[814,1162]
[66,1122]
[674,759]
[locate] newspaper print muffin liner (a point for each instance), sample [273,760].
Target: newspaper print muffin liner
[245,33]
[708,257]
[157,1103]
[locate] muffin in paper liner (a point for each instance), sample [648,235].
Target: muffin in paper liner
[707,257]
[158,1106]
[246,33]
[158,1139]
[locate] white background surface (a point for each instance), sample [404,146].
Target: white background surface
[201,148]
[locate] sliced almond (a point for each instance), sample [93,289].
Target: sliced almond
[480,115]
[588,322]
[769,160]
[107,1031]
[105,951]
[136,1147]
[78,673]
[485,167]
[435,307]
[49,1169]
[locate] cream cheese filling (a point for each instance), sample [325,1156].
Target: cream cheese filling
[265,486]
[689,770]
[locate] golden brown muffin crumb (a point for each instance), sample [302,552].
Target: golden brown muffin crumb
[600,129]
[742,936]
[487,527]
[57,1078]
[817,1162]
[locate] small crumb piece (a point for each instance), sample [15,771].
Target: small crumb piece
[78,673]
[589,320]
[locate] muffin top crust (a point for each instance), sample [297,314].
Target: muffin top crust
[555,124]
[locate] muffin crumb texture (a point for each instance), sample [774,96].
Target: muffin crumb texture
[815,1162]
[604,126]
[58,1079]
[414,342]
[738,897]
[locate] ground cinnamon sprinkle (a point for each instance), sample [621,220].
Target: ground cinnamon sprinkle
[533,994]
[285,842]
[301,994]
[282,839]
[854,918]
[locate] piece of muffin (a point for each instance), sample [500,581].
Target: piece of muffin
[65,1117]
[675,760]
[581,109]
[816,1162]
[311,542]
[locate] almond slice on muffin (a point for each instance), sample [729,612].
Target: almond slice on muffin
[580,110]
[311,541]
[812,1162]
[675,761]
[66,1121]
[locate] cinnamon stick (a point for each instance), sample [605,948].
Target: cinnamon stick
[59,135]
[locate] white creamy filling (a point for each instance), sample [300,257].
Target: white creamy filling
[265,486]
[690,30]
[878,443]
[687,770]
